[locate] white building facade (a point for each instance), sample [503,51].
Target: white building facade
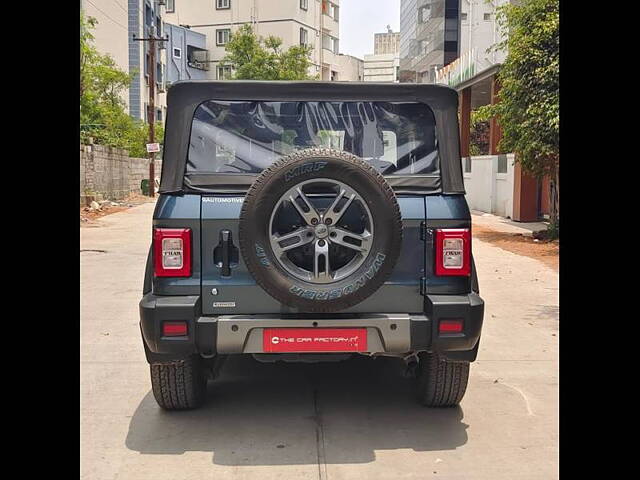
[384,64]
[313,22]
[479,31]
[381,68]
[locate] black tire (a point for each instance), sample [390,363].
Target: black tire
[180,384]
[262,198]
[441,382]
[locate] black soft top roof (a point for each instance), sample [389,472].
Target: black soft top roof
[184,97]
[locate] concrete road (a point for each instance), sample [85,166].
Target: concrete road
[350,420]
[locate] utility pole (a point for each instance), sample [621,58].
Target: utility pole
[151,107]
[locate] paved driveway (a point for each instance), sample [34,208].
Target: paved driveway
[348,420]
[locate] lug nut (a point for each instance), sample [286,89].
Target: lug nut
[314,221]
[321,243]
[328,221]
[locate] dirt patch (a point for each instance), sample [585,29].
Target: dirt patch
[543,250]
[88,217]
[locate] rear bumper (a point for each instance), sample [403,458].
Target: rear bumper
[386,333]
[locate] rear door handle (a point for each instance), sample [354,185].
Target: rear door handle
[225,239]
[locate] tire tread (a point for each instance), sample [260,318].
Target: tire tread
[441,382]
[178,385]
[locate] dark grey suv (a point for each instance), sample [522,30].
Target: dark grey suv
[310,221]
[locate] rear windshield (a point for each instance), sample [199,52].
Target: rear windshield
[247,136]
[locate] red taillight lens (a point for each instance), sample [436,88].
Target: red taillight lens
[453,251]
[174,329]
[450,326]
[172,252]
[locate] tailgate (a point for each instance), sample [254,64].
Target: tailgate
[236,292]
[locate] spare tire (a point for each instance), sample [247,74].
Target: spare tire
[320,230]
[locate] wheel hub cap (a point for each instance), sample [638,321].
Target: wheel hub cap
[322,231]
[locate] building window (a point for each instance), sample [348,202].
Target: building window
[304,4]
[171,6]
[223,4]
[159,115]
[330,9]
[222,36]
[304,36]
[463,16]
[424,13]
[487,16]
[223,72]
[177,53]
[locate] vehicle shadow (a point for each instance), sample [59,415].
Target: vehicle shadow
[292,414]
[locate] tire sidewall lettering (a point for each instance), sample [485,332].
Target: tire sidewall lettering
[305,168]
[321,295]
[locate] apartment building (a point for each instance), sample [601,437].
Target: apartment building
[145,18]
[388,42]
[479,31]
[429,38]
[187,54]
[384,64]
[350,68]
[314,22]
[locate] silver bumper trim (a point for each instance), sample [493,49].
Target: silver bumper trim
[385,332]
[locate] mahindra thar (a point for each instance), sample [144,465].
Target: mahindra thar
[310,221]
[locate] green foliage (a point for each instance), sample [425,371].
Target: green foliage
[103,118]
[528,109]
[479,135]
[257,58]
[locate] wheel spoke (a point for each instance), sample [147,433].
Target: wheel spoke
[331,211]
[321,260]
[301,235]
[318,229]
[307,216]
[341,234]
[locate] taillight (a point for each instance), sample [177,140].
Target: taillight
[450,326]
[453,251]
[174,329]
[172,252]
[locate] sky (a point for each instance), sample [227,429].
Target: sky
[360,19]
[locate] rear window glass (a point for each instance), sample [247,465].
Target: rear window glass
[235,137]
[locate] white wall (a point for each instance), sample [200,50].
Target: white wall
[487,190]
[478,33]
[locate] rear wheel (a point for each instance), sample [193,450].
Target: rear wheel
[441,382]
[179,384]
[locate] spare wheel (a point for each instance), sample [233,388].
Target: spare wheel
[320,230]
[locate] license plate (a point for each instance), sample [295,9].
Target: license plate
[314,340]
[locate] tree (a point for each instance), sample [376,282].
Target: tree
[528,107]
[257,58]
[103,116]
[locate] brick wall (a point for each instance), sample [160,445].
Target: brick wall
[111,173]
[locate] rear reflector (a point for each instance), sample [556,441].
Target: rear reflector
[450,326]
[172,252]
[453,251]
[174,329]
